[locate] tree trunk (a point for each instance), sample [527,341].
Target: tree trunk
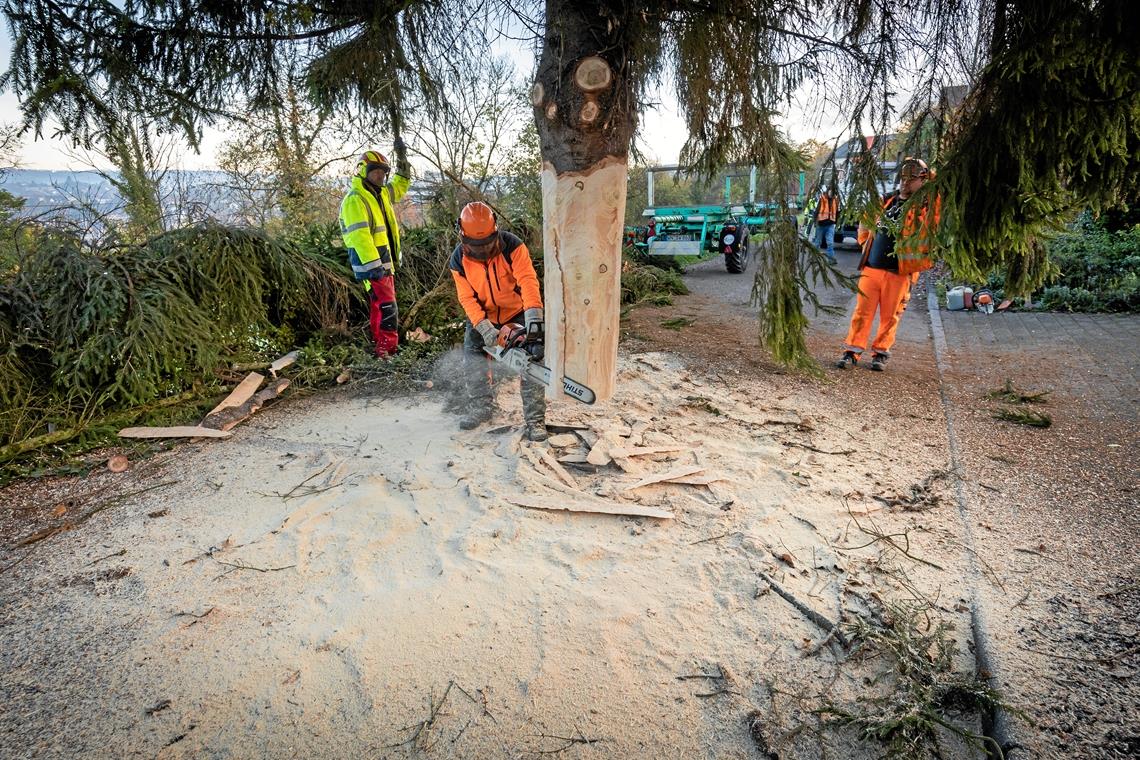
[585,114]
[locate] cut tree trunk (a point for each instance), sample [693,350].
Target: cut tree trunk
[585,113]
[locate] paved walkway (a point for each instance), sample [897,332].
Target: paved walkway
[1053,511]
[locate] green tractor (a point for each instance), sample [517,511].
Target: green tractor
[673,231]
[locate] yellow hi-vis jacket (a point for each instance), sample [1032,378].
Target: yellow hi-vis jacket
[369,230]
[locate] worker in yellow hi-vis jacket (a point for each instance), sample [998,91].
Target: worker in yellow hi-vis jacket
[372,236]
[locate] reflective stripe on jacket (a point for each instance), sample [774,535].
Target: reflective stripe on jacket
[827,209]
[369,229]
[497,289]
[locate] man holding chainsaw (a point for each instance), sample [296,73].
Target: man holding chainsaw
[499,291]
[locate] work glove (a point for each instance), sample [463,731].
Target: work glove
[403,168]
[488,331]
[533,317]
[535,332]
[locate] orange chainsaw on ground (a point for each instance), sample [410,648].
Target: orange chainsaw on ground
[522,352]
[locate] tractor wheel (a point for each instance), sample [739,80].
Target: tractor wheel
[736,261]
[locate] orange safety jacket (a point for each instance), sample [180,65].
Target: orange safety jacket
[828,208]
[499,288]
[912,248]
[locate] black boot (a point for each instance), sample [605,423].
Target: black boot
[536,432]
[475,418]
[848,360]
[879,362]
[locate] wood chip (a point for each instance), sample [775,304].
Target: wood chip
[697,480]
[589,437]
[676,472]
[639,451]
[599,453]
[573,459]
[242,393]
[558,469]
[572,504]
[181,431]
[556,427]
[563,440]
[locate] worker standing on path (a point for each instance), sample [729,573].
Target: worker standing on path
[372,237]
[497,285]
[893,257]
[826,217]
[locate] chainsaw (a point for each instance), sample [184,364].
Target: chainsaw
[522,351]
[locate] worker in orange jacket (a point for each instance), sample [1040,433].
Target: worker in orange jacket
[890,265]
[497,285]
[826,217]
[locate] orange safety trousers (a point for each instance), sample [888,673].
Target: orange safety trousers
[887,292]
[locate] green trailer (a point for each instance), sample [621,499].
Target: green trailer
[672,231]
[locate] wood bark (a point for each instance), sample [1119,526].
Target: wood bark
[584,110]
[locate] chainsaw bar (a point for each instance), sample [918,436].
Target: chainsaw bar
[520,361]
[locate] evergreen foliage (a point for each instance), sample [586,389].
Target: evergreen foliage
[1051,125]
[88,329]
[788,271]
[923,690]
[1050,121]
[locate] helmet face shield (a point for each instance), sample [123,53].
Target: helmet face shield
[482,249]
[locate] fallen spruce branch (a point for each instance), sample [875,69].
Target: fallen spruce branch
[72,524]
[1023,417]
[13,450]
[887,538]
[1012,395]
[819,620]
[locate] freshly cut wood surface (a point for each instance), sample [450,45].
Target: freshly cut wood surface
[598,455]
[283,362]
[558,469]
[676,472]
[586,504]
[181,431]
[242,393]
[228,417]
[582,222]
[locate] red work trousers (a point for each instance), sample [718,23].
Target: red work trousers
[886,292]
[383,318]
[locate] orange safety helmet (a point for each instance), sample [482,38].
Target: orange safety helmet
[369,160]
[479,230]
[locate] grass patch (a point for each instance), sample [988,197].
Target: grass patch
[678,323]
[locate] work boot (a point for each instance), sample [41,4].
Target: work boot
[879,362]
[536,432]
[475,418]
[849,360]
